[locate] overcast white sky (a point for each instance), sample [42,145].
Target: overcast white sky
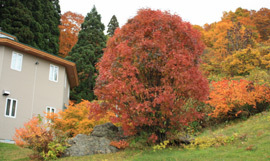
[197,12]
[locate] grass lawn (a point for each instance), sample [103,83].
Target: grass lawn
[255,146]
[12,152]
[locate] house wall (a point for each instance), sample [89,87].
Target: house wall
[66,91]
[1,59]
[31,88]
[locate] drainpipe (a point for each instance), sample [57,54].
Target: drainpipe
[34,88]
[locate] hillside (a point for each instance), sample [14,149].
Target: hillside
[253,143]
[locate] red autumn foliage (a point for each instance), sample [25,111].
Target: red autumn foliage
[229,97]
[69,30]
[153,138]
[148,71]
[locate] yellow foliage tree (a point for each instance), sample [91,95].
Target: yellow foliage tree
[259,76]
[75,119]
[266,61]
[242,62]
[265,54]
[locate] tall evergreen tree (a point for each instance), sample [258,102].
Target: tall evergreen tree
[16,19]
[34,22]
[86,53]
[51,33]
[113,24]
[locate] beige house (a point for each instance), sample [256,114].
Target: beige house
[31,82]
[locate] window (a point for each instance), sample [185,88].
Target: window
[53,73]
[50,110]
[11,106]
[16,61]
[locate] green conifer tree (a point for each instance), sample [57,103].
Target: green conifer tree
[16,19]
[113,24]
[34,22]
[86,53]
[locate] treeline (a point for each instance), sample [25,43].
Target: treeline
[238,44]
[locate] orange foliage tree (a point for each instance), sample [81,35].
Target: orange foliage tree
[215,38]
[69,30]
[230,97]
[244,17]
[262,21]
[75,119]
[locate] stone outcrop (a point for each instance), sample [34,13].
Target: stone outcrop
[108,130]
[96,143]
[182,139]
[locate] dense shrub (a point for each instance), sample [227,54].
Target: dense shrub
[34,135]
[161,146]
[75,119]
[214,141]
[122,144]
[232,98]
[55,150]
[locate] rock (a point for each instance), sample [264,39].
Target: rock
[107,130]
[88,145]
[182,139]
[96,143]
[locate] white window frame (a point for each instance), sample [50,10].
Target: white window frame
[50,109]
[54,73]
[10,107]
[16,61]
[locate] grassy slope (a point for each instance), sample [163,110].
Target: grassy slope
[255,131]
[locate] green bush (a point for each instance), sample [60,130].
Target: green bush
[55,150]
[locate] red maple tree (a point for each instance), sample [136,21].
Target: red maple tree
[148,72]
